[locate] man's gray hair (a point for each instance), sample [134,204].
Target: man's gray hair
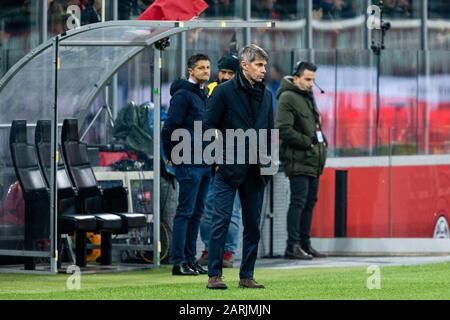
[251,53]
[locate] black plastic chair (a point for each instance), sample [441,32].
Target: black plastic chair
[37,200]
[68,199]
[96,199]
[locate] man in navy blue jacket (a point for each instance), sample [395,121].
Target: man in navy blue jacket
[241,103]
[187,105]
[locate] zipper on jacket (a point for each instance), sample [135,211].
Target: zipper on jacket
[318,146]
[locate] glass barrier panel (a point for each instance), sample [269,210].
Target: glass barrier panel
[280,10]
[19,31]
[338,24]
[67,15]
[438,25]
[26,232]
[224,9]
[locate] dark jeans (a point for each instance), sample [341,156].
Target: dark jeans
[251,192]
[232,242]
[303,198]
[193,183]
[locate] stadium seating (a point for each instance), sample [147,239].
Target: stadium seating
[36,194]
[95,199]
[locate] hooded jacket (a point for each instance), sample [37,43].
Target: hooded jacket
[188,104]
[298,119]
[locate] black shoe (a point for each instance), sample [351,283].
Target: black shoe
[197,267]
[183,270]
[313,252]
[296,252]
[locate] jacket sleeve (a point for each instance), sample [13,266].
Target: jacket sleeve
[271,126]
[285,123]
[215,110]
[178,110]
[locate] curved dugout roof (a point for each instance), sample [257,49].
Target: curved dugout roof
[89,57]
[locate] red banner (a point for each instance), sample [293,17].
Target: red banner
[175,10]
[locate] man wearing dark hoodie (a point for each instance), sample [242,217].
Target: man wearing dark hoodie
[302,154]
[187,105]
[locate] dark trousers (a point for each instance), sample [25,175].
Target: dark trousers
[251,192]
[193,183]
[303,198]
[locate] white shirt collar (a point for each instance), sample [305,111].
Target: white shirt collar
[195,82]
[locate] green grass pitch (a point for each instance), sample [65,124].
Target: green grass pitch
[406,282]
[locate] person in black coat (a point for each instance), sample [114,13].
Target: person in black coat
[241,103]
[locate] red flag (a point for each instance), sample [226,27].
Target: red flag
[175,10]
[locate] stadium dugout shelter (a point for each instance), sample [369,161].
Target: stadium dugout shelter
[62,79]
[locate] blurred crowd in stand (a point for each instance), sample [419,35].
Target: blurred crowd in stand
[334,9]
[90,12]
[223,9]
[21,25]
[393,9]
